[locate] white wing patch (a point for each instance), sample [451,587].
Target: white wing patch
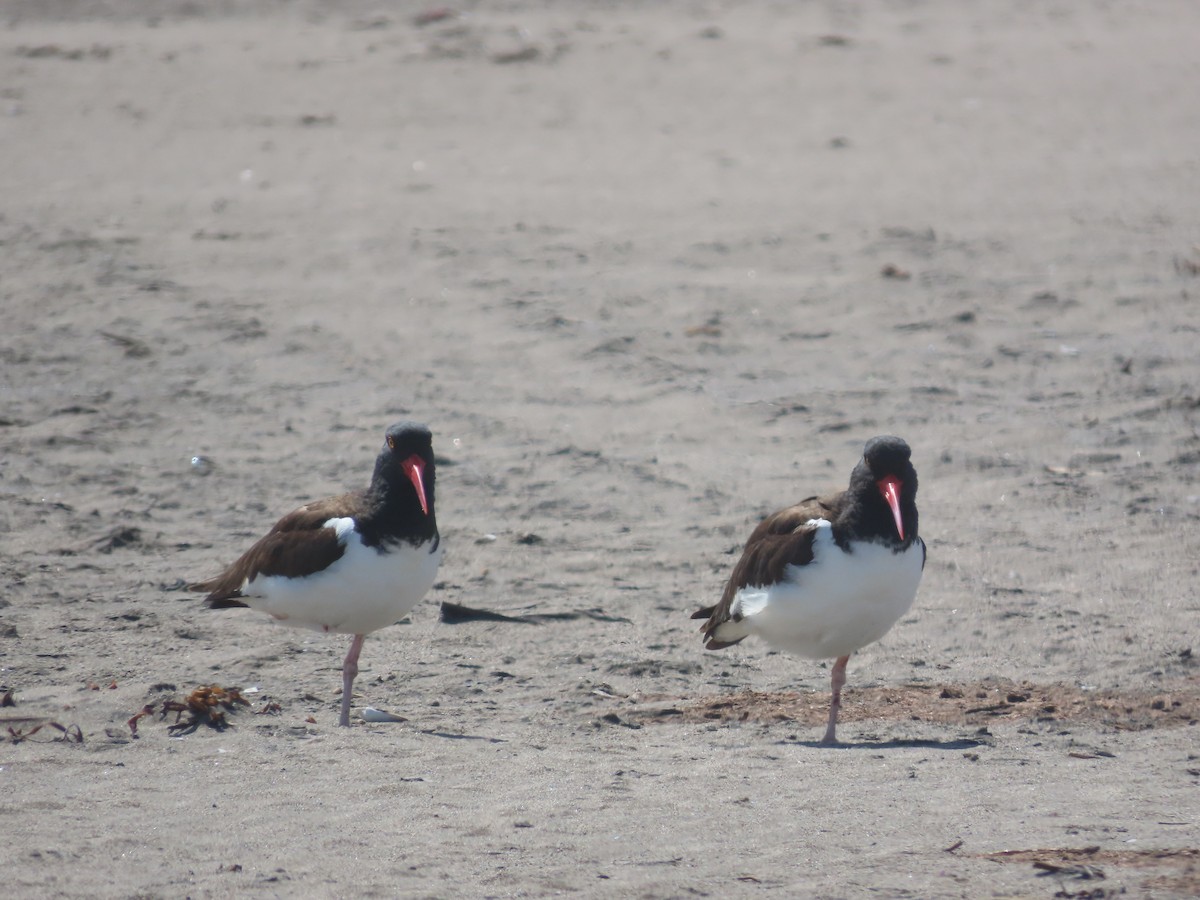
[749,601]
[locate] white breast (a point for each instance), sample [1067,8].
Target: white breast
[363,591]
[836,604]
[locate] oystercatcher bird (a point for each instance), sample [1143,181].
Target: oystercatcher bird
[829,575]
[349,564]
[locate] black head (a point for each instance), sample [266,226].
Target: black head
[887,455]
[405,466]
[405,438]
[884,490]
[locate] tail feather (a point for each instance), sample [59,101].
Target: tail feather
[714,644]
[224,603]
[719,634]
[217,598]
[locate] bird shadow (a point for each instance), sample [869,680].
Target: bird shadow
[462,737]
[890,744]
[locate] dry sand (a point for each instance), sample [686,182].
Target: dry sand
[648,271]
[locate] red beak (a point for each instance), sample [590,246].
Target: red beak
[414,468]
[889,486]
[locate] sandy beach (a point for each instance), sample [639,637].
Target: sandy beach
[648,272]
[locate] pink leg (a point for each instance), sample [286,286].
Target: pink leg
[349,670]
[836,679]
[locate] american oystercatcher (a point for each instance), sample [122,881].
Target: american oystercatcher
[349,564]
[829,575]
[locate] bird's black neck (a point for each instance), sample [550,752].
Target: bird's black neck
[865,515]
[394,511]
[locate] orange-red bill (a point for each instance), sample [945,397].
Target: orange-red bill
[889,486]
[414,468]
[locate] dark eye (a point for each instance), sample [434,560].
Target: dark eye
[391,442]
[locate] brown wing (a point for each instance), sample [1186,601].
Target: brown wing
[298,545]
[782,539]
